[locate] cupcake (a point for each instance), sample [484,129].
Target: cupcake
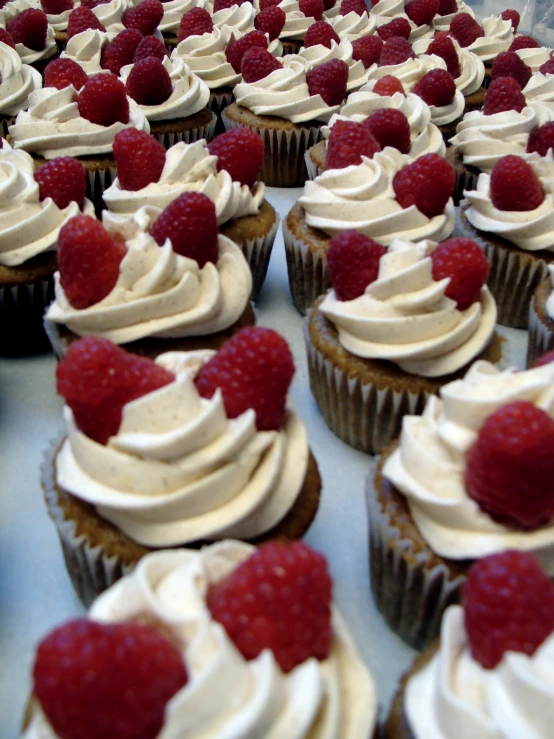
[296,24]
[173,12]
[418,25]
[18,82]
[168,623]
[195,446]
[447,11]
[31,32]
[486,39]
[468,478]
[351,24]
[313,56]
[541,320]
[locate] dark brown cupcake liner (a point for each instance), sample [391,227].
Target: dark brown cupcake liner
[217,104]
[21,312]
[97,181]
[541,327]
[307,271]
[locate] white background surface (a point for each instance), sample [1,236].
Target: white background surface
[35,591]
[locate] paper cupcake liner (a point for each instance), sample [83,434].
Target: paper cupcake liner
[465,180]
[284,164]
[5,122]
[167,140]
[311,167]
[257,253]
[307,271]
[291,47]
[540,339]
[411,594]
[21,312]
[99,180]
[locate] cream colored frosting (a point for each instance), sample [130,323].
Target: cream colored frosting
[416,32]
[535,58]
[353,26]
[409,72]
[239,18]
[442,22]
[540,88]
[498,37]
[296,23]
[174,10]
[18,81]
[443,114]
[86,49]
[429,464]
[27,55]
[362,197]
[56,21]
[549,307]
[227,696]
[388,9]
[205,56]
[454,697]
[404,316]
[319,54]
[111,14]
[52,126]
[472,68]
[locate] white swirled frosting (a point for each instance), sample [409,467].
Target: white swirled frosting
[28,55]
[472,68]
[454,697]
[296,23]
[312,56]
[174,10]
[409,72]
[111,14]
[428,466]
[18,81]
[442,22]
[205,56]
[227,696]
[86,49]
[540,88]
[404,316]
[353,26]
[498,37]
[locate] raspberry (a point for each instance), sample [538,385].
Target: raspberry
[541,139]
[348,142]
[140,159]
[329,80]
[508,64]
[523,42]
[322,33]
[547,67]
[502,94]
[5,38]
[442,46]
[56,7]
[102,100]
[91,678]
[63,179]
[465,29]
[150,46]
[257,63]
[387,86]
[465,264]
[390,127]
[447,7]
[329,4]
[237,49]
[514,186]
[353,263]
[195,22]
[422,12]
[545,359]
[240,152]
[29,28]
[224,4]
[271,21]
[81,19]
[264,4]
[427,183]
[353,6]
[396,27]
[253,369]
[62,73]
[437,88]
[120,52]
[91,4]
[278,599]
[145,17]
[512,16]
[149,82]
[367,50]
[396,50]
[311,8]
[190,223]
[510,466]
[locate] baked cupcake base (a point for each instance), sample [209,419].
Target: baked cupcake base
[201,125]
[541,326]
[475,101]
[466,176]
[315,159]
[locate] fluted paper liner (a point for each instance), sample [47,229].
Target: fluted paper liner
[307,271]
[311,167]
[219,101]
[541,335]
[97,181]
[21,310]
[257,253]
[169,139]
[465,180]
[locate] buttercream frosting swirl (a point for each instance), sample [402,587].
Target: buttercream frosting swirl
[296,23]
[498,37]
[409,72]
[86,48]
[111,14]
[239,18]
[442,22]
[540,88]
[535,58]
[28,55]
[313,56]
[472,68]
[57,21]
[353,26]
[388,9]
[174,10]
[205,56]
[18,81]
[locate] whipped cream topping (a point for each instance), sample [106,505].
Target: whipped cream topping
[442,22]
[111,14]
[18,81]
[472,68]
[549,307]
[498,37]
[239,18]
[362,197]
[388,9]
[443,114]
[313,56]
[86,49]
[27,55]
[52,126]
[404,316]
[56,21]
[174,10]
[416,32]
[529,229]
[353,26]
[205,56]
[160,293]
[540,88]
[535,58]
[296,23]
[428,466]
[453,696]
[189,168]
[227,696]
[409,72]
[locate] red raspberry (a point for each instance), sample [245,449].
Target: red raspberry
[5,38]
[447,7]
[145,17]
[353,263]
[120,52]
[88,260]
[545,359]
[311,8]
[508,606]
[442,46]
[195,22]
[396,50]
[81,19]
[328,4]
[503,93]
[140,159]
[367,50]
[150,46]
[223,4]
[508,64]
[437,88]
[514,186]
[387,86]
[322,33]
[523,42]
[541,139]
[390,127]
[253,369]
[547,67]
[62,73]
[56,7]
[465,29]
[353,6]
[427,183]
[465,264]
[348,142]
[257,63]
[63,179]
[396,27]
[149,82]
[278,599]
[190,223]
[102,100]
[510,466]
[97,378]
[329,80]
[237,49]
[422,12]
[29,28]
[240,152]
[271,21]
[512,16]
[264,4]
[91,4]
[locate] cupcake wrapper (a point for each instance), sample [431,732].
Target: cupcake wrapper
[541,338]
[257,253]
[97,181]
[217,104]
[167,140]
[21,312]
[5,122]
[308,277]
[291,47]
[464,181]
[312,168]
[411,595]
